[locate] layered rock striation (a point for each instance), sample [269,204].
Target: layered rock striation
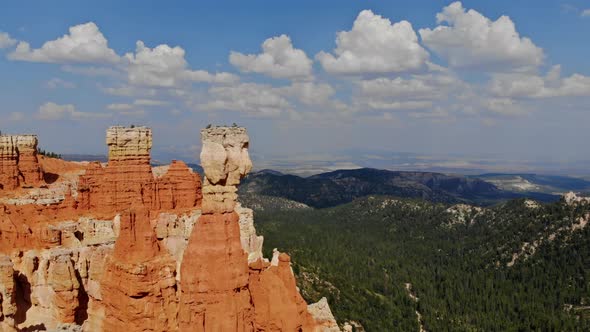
[128,247]
[128,179]
[214,272]
[19,164]
[139,285]
[7,295]
[220,290]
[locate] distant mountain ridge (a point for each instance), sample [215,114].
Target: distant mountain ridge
[343,186]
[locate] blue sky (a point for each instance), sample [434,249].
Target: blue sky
[504,78]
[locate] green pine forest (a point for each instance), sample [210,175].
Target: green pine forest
[362,254]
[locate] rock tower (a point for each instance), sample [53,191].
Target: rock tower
[128,179]
[19,164]
[125,246]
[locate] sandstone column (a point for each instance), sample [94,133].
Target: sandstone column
[18,161]
[129,166]
[138,286]
[7,295]
[28,163]
[8,163]
[214,272]
[127,179]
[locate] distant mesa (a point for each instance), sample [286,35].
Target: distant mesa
[124,246]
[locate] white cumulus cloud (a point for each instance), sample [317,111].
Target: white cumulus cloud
[408,93]
[5,40]
[251,98]
[53,111]
[585,13]
[84,44]
[279,59]
[165,66]
[375,45]
[522,85]
[417,87]
[473,40]
[92,71]
[310,93]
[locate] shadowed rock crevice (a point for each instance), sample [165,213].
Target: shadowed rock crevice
[34,328]
[50,178]
[82,311]
[23,298]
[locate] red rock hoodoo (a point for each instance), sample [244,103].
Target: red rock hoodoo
[128,247]
[214,276]
[127,179]
[19,164]
[138,285]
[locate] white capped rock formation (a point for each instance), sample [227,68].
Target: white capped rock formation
[126,142]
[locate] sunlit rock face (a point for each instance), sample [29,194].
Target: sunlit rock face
[127,247]
[225,161]
[7,295]
[138,285]
[19,164]
[323,316]
[225,282]
[128,179]
[214,272]
[251,242]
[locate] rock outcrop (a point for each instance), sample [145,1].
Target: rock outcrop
[62,283]
[19,164]
[321,313]
[128,247]
[571,198]
[7,295]
[178,188]
[28,164]
[251,242]
[139,286]
[174,230]
[220,291]
[277,302]
[128,179]
[8,163]
[214,272]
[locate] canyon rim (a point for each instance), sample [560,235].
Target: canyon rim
[124,246]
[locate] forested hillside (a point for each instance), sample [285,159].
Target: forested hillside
[519,266]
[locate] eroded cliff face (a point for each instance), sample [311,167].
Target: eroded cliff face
[19,164]
[124,247]
[138,284]
[7,295]
[214,273]
[128,179]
